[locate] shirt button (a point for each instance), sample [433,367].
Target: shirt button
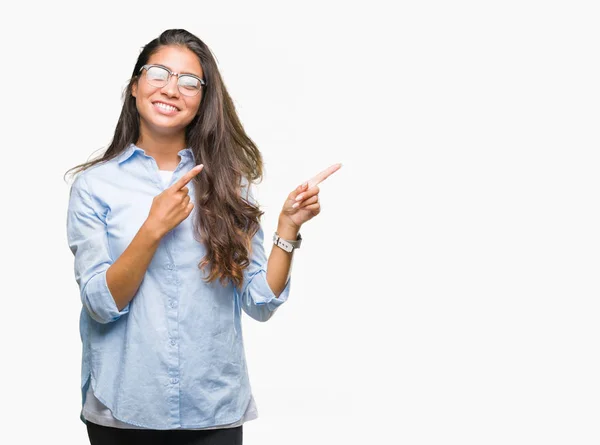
[169,266]
[173,304]
[174,381]
[173,342]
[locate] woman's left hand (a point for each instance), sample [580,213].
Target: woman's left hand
[302,204]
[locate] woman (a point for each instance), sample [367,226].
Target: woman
[168,251]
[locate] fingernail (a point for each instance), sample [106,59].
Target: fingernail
[299,197]
[295,205]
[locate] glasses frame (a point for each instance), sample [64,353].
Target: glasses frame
[171,73]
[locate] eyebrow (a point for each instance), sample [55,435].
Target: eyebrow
[183,72]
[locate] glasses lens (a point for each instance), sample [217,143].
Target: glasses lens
[157,76]
[188,85]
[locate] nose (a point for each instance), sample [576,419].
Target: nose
[171,89]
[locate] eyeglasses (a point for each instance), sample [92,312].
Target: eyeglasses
[158,76]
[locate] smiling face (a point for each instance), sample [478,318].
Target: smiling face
[155,105]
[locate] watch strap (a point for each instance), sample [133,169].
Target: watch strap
[287,245]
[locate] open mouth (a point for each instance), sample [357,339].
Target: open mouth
[165,109]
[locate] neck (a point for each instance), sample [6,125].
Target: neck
[162,147]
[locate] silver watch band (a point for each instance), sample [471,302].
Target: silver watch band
[287,245]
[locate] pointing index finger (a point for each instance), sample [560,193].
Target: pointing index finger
[182,182]
[320,177]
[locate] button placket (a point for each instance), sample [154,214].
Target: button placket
[172,301]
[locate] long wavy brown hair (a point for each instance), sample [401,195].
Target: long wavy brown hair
[226,221]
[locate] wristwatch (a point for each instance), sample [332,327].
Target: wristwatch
[285,244]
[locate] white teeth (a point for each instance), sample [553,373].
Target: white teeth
[165,107]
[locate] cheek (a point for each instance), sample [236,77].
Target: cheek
[194,107]
[136,90]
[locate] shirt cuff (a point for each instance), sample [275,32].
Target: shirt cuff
[100,302]
[261,293]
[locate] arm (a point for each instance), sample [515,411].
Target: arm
[301,205]
[106,286]
[257,298]
[125,275]
[280,261]
[266,283]
[266,288]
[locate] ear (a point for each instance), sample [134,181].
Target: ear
[134,89]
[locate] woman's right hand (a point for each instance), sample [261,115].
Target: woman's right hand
[172,206]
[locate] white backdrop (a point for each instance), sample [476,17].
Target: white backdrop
[448,291]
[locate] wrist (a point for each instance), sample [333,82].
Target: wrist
[287,230]
[152,231]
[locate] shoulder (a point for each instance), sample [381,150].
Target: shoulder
[92,178]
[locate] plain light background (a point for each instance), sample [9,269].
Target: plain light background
[448,291]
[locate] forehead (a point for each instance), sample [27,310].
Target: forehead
[178,59]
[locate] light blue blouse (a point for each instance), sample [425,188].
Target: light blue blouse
[174,356]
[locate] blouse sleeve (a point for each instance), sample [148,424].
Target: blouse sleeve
[256,297]
[88,240]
